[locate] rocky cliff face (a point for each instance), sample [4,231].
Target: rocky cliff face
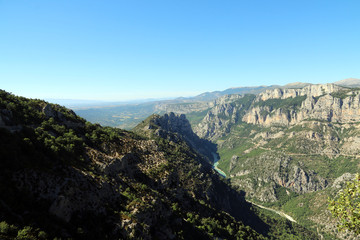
[259,176]
[213,125]
[326,102]
[227,111]
[176,128]
[310,91]
[326,108]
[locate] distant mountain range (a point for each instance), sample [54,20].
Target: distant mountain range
[85,104]
[128,115]
[349,82]
[206,96]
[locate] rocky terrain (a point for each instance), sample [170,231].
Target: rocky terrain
[63,177]
[288,145]
[176,128]
[322,102]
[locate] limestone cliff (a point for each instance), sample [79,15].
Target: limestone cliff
[326,108]
[313,90]
[226,112]
[259,176]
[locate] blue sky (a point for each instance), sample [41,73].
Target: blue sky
[122,50]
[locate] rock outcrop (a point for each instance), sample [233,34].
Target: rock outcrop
[325,108]
[300,181]
[227,111]
[260,176]
[310,91]
[321,103]
[177,128]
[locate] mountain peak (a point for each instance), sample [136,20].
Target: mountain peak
[349,82]
[176,128]
[296,85]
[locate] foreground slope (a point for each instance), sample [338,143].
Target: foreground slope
[61,176]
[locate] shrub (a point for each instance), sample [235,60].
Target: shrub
[6,228]
[346,207]
[25,233]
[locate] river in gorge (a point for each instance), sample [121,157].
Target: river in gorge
[216,162]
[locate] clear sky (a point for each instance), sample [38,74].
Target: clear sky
[121,50]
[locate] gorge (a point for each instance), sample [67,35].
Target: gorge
[198,170]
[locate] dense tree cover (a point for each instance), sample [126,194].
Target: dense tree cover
[342,94]
[346,207]
[29,111]
[287,103]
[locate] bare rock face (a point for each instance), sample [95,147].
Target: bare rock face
[260,176]
[340,181]
[212,125]
[319,104]
[297,179]
[233,162]
[334,109]
[351,145]
[51,113]
[302,182]
[220,118]
[267,194]
[278,116]
[310,91]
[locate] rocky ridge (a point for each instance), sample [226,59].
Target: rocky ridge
[176,128]
[319,104]
[313,90]
[226,112]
